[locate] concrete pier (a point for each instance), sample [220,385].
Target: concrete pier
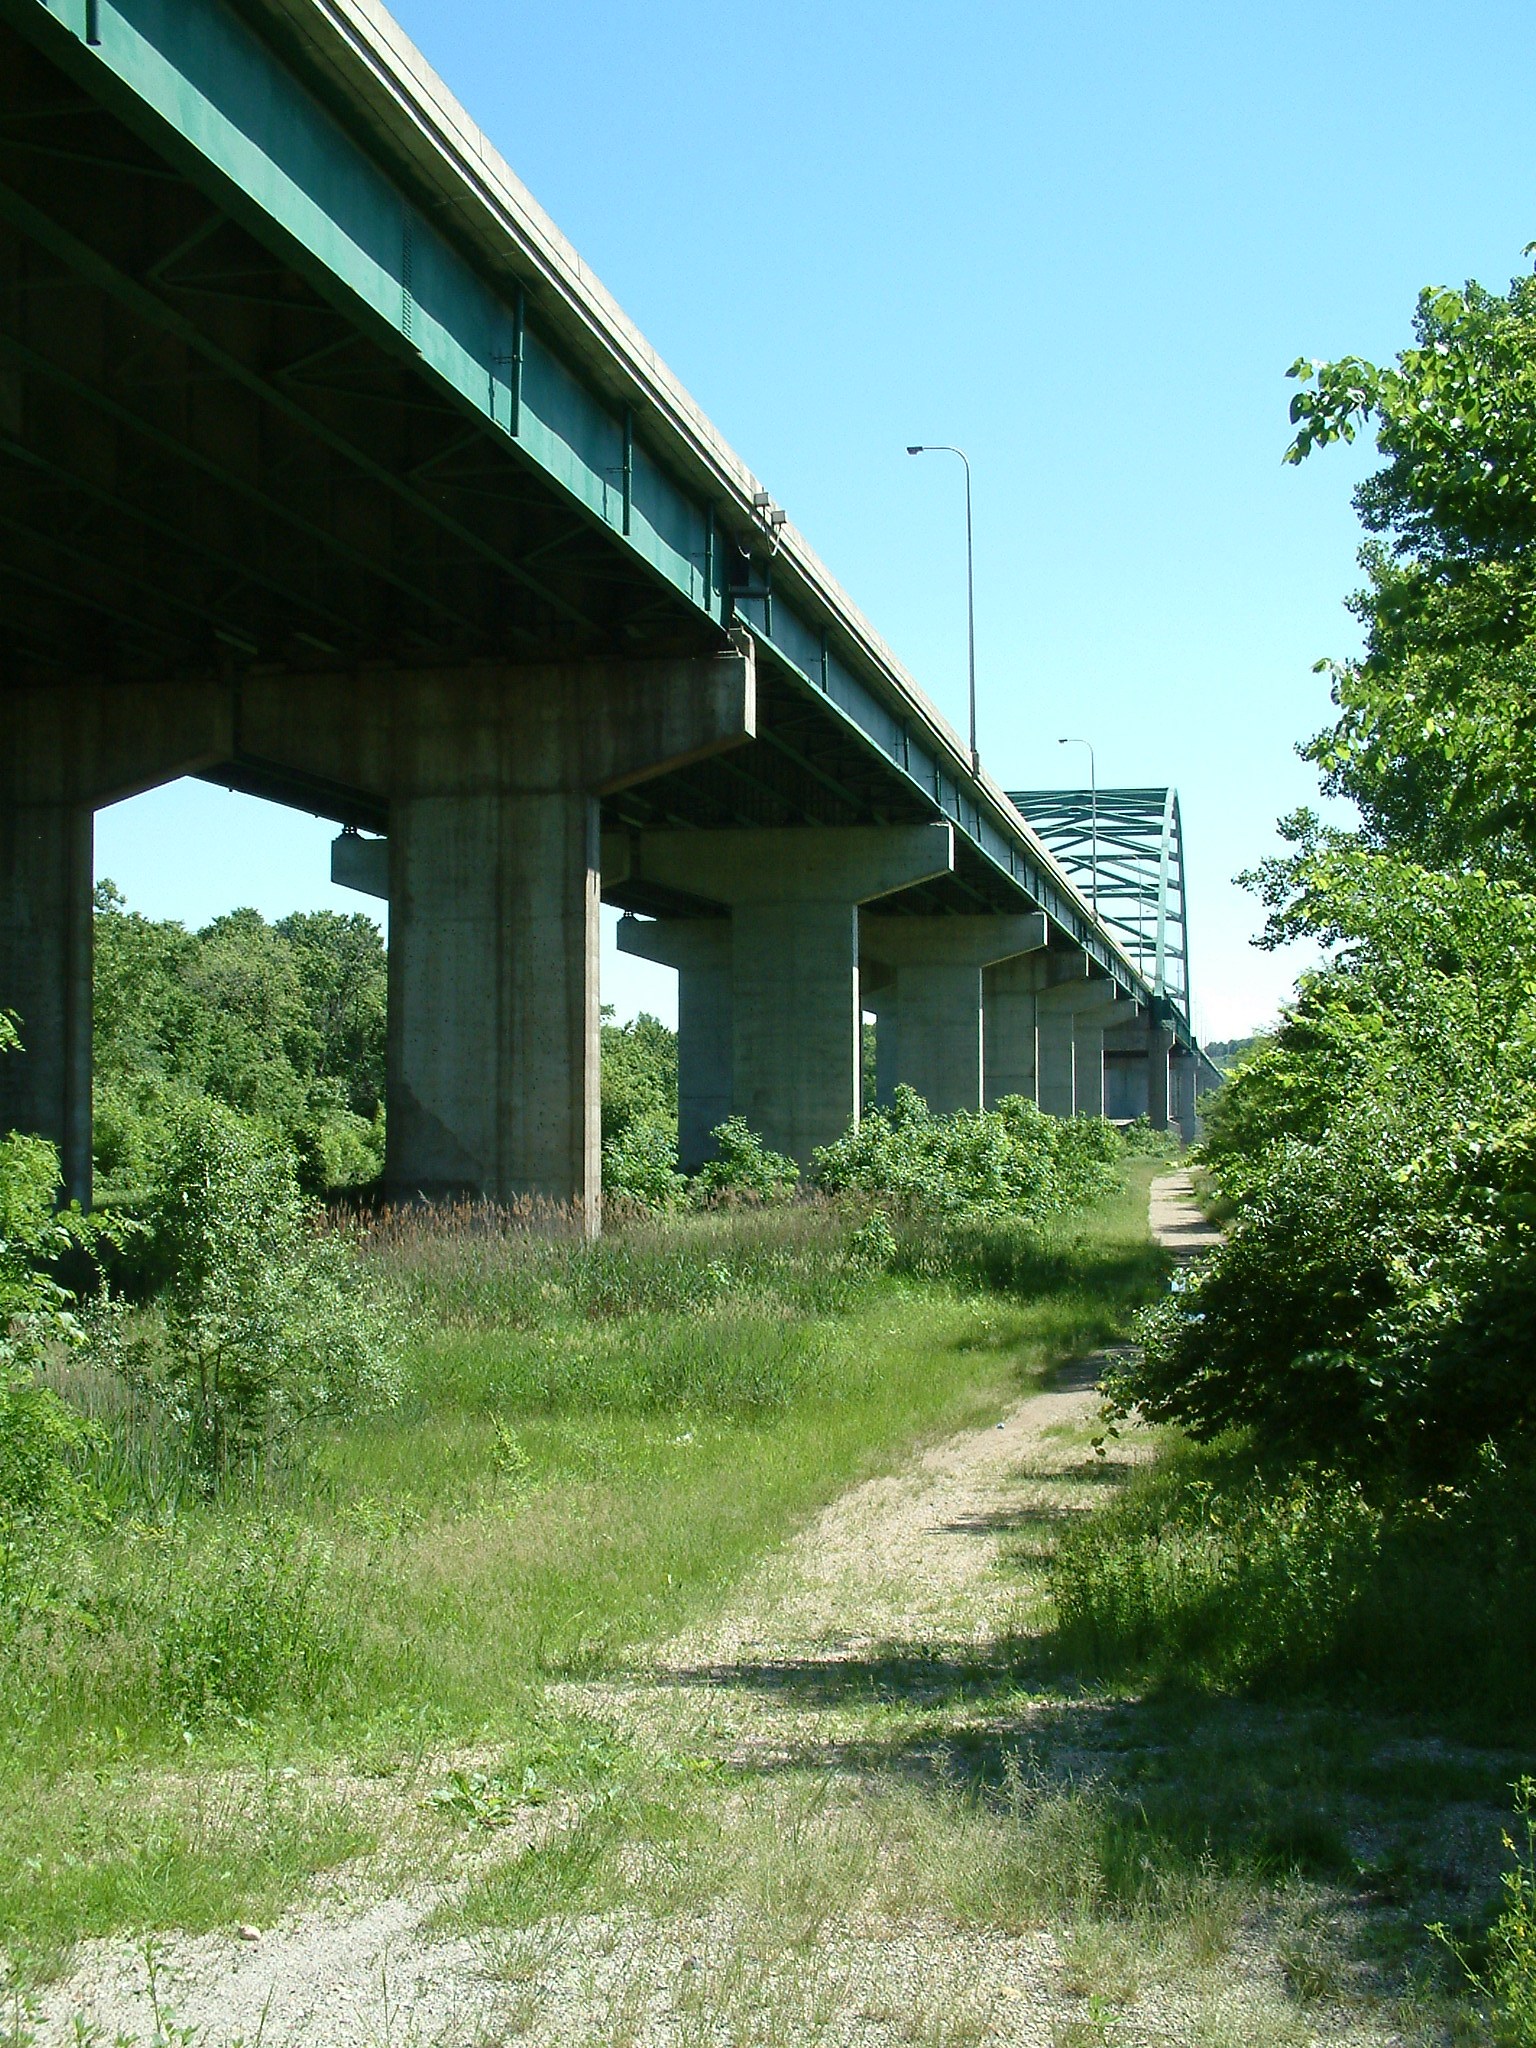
[1159,1043]
[794,897]
[700,950]
[1182,1075]
[45,977]
[1008,1030]
[1055,1052]
[1100,1011]
[1061,986]
[930,1029]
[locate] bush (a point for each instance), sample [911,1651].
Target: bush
[1371,1306]
[1142,1140]
[263,1319]
[1013,1160]
[640,1165]
[743,1168]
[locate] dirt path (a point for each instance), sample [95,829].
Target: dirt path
[1177,1221]
[797,1748]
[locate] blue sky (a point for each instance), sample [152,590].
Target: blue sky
[1084,243]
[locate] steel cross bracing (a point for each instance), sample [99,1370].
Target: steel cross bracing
[292,370]
[1130,843]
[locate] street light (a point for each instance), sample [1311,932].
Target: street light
[1093,793]
[944,448]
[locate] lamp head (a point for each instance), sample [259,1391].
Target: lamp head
[915,451]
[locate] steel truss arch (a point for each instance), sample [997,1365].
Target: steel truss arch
[1127,847]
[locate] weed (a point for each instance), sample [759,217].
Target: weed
[249,1621]
[1506,1983]
[482,1800]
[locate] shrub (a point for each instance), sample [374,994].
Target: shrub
[640,1165]
[743,1168]
[1009,1161]
[1371,1305]
[1142,1140]
[263,1319]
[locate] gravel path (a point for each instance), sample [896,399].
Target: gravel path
[907,1559]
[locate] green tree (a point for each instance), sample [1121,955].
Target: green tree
[283,1022]
[639,1075]
[1374,1302]
[342,972]
[1436,737]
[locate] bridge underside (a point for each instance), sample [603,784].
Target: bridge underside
[246,537]
[206,467]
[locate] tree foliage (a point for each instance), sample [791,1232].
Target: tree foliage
[1374,1303]
[283,1022]
[1436,738]
[45,1483]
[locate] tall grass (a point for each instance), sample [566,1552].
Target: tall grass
[1211,1571]
[595,1440]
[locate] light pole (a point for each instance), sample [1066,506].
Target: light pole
[1093,796]
[944,448]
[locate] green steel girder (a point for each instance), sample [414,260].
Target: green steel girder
[278,510]
[301,162]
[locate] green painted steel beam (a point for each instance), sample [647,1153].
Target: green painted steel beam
[87,263]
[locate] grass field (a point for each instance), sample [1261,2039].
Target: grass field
[597,1441]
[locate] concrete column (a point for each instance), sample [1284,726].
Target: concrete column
[929,1031]
[1061,989]
[1008,1030]
[1056,1051]
[493,997]
[1091,1020]
[45,977]
[1159,1039]
[64,749]
[1181,1090]
[700,949]
[795,1005]
[494,781]
[1127,1038]
[795,1012]
[1087,1065]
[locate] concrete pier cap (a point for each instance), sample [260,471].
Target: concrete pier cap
[491,776]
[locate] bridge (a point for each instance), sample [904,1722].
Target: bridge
[332,475]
